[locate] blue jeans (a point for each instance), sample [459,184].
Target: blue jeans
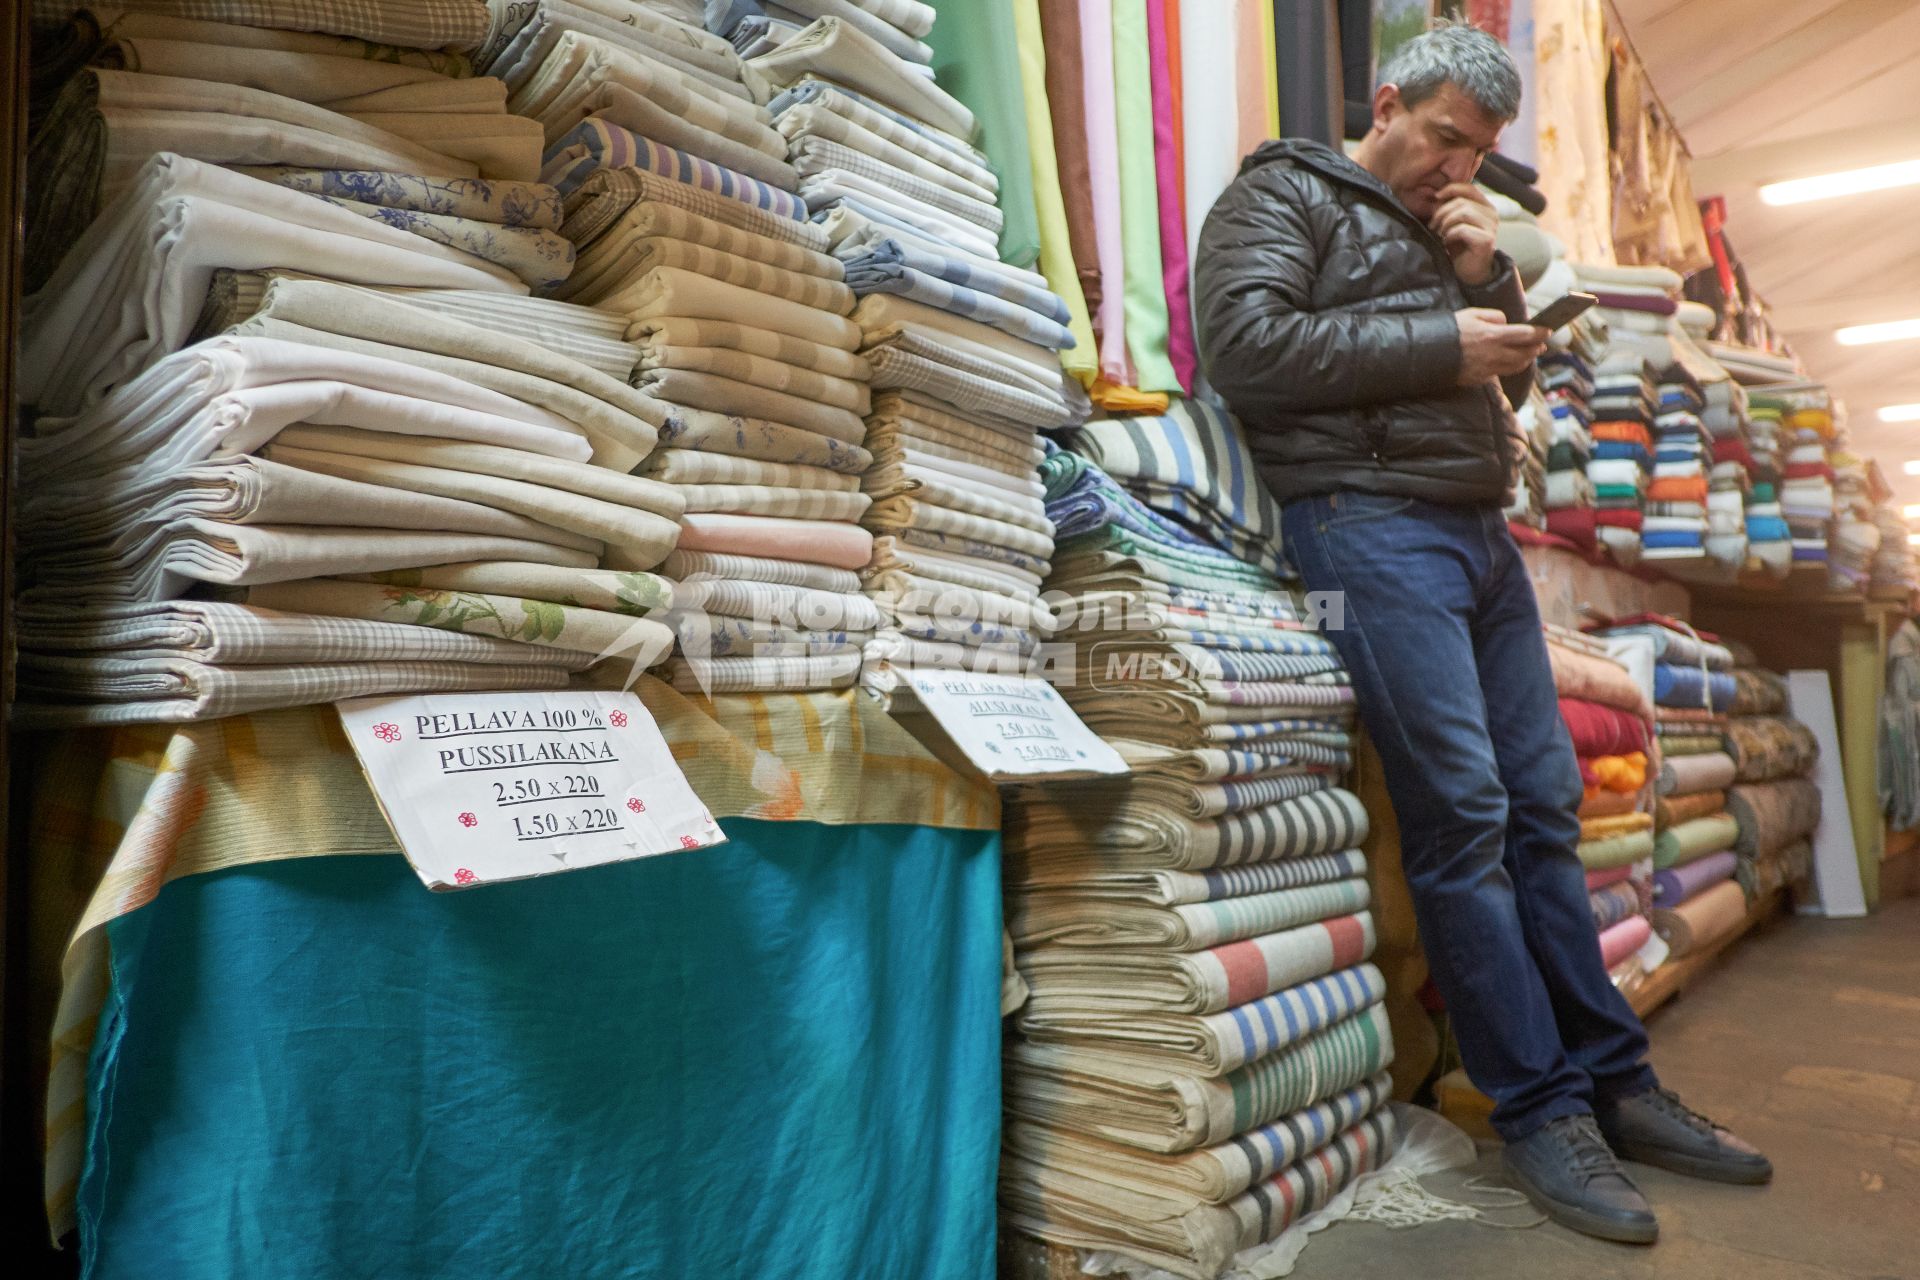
[1441,632]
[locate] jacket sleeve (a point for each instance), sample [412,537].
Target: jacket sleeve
[1268,350]
[1504,294]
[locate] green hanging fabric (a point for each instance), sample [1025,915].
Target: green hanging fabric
[976,60]
[1146,286]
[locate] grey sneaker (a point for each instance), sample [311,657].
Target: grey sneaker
[1566,1169]
[1656,1128]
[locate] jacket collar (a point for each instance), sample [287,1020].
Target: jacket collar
[1334,166]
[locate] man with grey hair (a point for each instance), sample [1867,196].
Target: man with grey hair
[1357,316]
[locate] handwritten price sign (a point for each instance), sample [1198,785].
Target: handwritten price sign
[1014,727]
[481,787]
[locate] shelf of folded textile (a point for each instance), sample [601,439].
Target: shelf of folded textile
[235,886]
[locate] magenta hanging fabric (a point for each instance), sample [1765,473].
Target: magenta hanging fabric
[1181,348]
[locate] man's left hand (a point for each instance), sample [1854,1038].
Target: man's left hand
[1466,223]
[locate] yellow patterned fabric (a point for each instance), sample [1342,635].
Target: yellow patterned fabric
[141,805]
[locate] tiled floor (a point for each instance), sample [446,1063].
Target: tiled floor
[1805,1039]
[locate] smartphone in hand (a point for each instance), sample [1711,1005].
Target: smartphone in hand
[1563,311]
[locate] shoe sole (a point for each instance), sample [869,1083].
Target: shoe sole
[1586,1223]
[1696,1166]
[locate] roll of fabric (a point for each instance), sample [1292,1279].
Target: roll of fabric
[1602,730]
[1773,815]
[1677,686]
[1677,884]
[1764,748]
[1671,811]
[1625,938]
[1700,921]
[1598,880]
[1756,692]
[1685,775]
[1613,904]
[1616,851]
[1607,804]
[1618,825]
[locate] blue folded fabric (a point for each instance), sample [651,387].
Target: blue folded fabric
[1767,529]
[958,271]
[1081,498]
[1627,449]
[1677,686]
[874,273]
[1281,665]
[1670,538]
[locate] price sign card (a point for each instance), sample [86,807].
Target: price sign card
[481,787]
[1014,727]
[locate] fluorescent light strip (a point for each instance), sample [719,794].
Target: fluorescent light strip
[1900,413]
[1913,539]
[1860,335]
[1911,510]
[1912,467]
[1850,182]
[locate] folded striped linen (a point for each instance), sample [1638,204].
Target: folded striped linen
[671,292]
[172,690]
[1211,1175]
[607,193]
[759,440]
[1129,981]
[693,466]
[223,634]
[714,393]
[761,277]
[702,636]
[647,117]
[620,424]
[1046,841]
[874,273]
[687,567]
[607,590]
[900,513]
[893,555]
[522,205]
[778,674]
[816,158]
[813,88]
[1159,1109]
[1180,1184]
[771,500]
[581,64]
[410,24]
[794,608]
[1055,1205]
[642,641]
[1188,926]
[339,82]
[832,190]
[761,371]
[834,50]
[591,337]
[596,145]
[1215,1043]
[877,19]
[1613,904]
[646,24]
[652,235]
[634,538]
[133,285]
[841,546]
[837,118]
[680,332]
[564,41]
[908,361]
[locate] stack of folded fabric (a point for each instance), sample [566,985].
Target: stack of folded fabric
[1769,537]
[1607,716]
[1894,570]
[761,26]
[1855,537]
[1807,497]
[1201,1060]
[963,348]
[1675,529]
[1624,401]
[1537,487]
[304,435]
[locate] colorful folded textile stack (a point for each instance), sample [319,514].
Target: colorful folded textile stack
[1607,717]
[1855,537]
[1623,405]
[1675,528]
[1195,933]
[1893,568]
[1807,496]
[962,347]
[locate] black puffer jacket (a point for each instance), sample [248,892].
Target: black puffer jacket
[1326,321]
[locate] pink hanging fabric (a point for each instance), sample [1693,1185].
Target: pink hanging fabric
[1181,348]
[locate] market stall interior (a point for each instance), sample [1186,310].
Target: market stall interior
[921,825]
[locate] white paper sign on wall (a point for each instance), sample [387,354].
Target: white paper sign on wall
[482,787]
[1014,727]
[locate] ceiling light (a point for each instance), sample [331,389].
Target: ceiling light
[1850,182]
[1859,335]
[1913,539]
[1911,510]
[1901,413]
[1912,467]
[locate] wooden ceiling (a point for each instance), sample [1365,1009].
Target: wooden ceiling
[1765,90]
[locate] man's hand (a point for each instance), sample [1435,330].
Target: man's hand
[1466,223]
[1491,348]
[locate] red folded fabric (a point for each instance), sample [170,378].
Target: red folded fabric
[1575,524]
[1733,451]
[1622,518]
[1807,470]
[1599,730]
